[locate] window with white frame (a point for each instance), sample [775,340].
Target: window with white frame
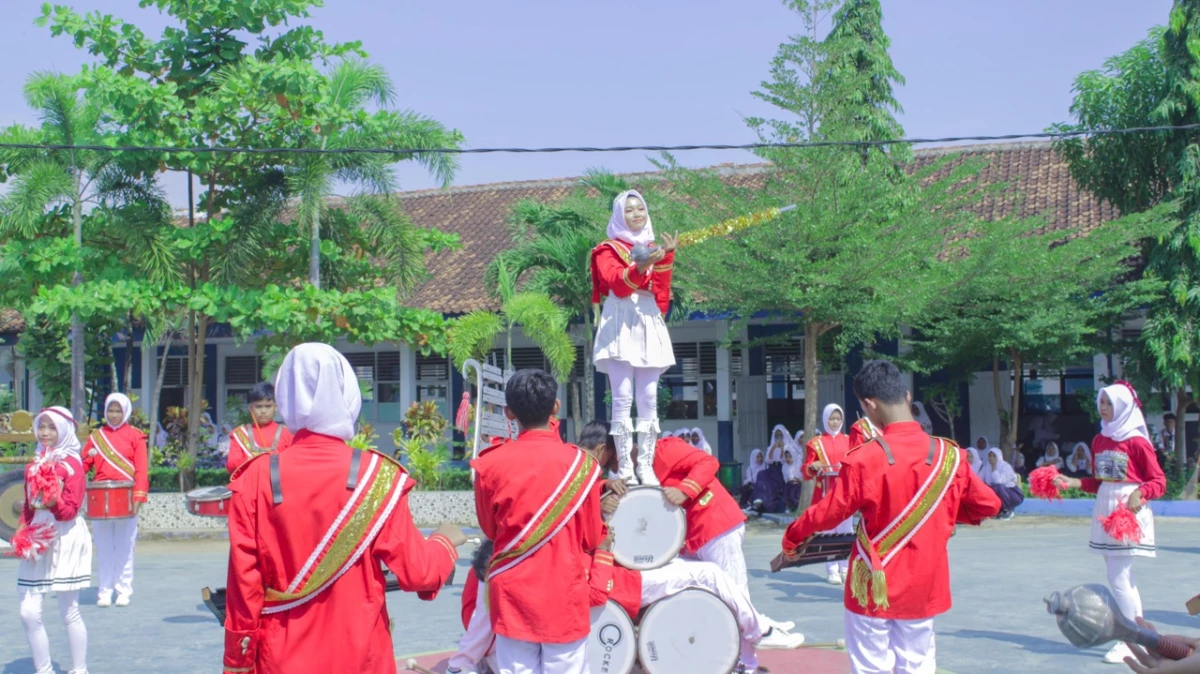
[378,374]
[692,381]
[433,382]
[241,374]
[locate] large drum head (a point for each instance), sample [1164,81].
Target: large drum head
[208,494]
[692,632]
[612,644]
[12,498]
[648,530]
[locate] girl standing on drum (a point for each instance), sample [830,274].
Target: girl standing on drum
[117,452]
[632,345]
[822,460]
[1126,472]
[64,566]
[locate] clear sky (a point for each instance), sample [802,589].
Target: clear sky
[626,72]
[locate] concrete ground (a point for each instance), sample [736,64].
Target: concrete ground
[1000,574]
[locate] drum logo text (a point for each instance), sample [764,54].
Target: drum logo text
[643,559]
[609,636]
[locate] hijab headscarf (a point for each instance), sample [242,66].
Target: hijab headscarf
[1002,474]
[1018,458]
[791,471]
[617,229]
[775,449]
[317,391]
[1080,464]
[973,455]
[126,408]
[798,439]
[1051,458]
[755,468]
[828,412]
[986,443]
[68,443]
[703,441]
[923,417]
[1127,418]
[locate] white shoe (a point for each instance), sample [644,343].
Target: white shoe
[786,626]
[780,640]
[834,578]
[122,600]
[1117,654]
[104,600]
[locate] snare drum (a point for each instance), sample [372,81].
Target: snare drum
[209,501]
[109,500]
[648,530]
[612,643]
[692,632]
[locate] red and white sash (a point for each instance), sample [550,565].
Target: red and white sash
[111,456]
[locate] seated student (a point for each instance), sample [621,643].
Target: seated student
[770,485]
[1079,464]
[477,648]
[998,475]
[1051,457]
[792,480]
[1017,460]
[976,462]
[758,463]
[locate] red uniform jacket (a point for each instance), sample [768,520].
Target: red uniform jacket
[74,491]
[710,510]
[918,578]
[127,462]
[608,580]
[1131,460]
[613,270]
[344,627]
[860,432]
[542,595]
[834,447]
[260,437]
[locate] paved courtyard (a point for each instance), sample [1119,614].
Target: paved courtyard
[1000,572]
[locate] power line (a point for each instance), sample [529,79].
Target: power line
[618,148]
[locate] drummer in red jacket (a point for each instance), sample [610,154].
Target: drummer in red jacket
[117,452]
[263,434]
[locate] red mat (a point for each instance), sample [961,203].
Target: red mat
[808,660]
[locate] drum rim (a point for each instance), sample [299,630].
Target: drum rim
[111,484]
[227,493]
[650,609]
[681,515]
[632,629]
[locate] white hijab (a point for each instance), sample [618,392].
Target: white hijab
[703,441]
[1074,464]
[1002,474]
[1048,458]
[1127,418]
[791,471]
[828,412]
[126,408]
[923,417]
[973,455]
[755,468]
[617,229]
[68,443]
[798,439]
[317,391]
[775,452]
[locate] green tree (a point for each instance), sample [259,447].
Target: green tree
[1156,82]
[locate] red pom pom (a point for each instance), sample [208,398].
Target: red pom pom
[43,484]
[30,542]
[1041,483]
[1122,525]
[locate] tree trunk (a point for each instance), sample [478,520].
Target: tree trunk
[589,372]
[1017,369]
[314,252]
[812,332]
[127,382]
[577,417]
[199,338]
[1001,413]
[78,364]
[1182,401]
[158,387]
[112,370]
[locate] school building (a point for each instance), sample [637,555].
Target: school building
[735,395]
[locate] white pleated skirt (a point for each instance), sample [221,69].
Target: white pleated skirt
[632,331]
[66,565]
[1111,495]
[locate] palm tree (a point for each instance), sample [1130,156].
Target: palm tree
[50,186]
[312,179]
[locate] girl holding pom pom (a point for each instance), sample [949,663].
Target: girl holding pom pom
[53,540]
[1126,473]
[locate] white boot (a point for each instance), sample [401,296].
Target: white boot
[622,432]
[647,430]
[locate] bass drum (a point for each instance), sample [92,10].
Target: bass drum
[692,632]
[648,530]
[612,643]
[12,499]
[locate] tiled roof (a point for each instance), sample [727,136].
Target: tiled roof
[479,214]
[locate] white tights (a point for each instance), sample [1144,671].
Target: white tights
[35,631]
[624,379]
[1120,579]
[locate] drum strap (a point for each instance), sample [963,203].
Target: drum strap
[278,434]
[886,450]
[355,458]
[276,490]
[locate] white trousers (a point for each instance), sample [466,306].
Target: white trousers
[879,646]
[114,543]
[1120,579]
[525,657]
[629,382]
[726,552]
[681,574]
[35,631]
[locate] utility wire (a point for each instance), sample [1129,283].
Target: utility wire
[618,148]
